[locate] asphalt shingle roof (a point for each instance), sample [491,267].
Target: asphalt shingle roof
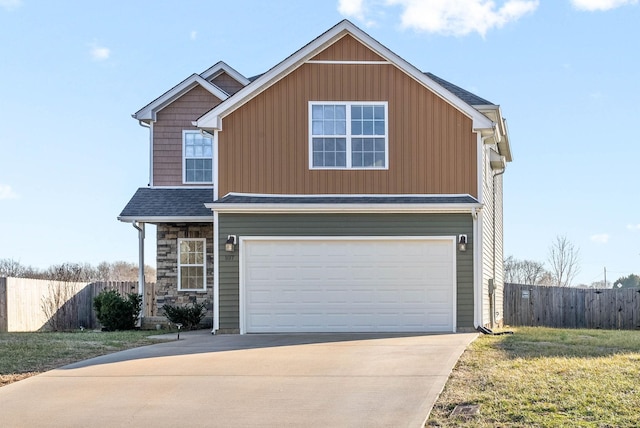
[160,202]
[463,94]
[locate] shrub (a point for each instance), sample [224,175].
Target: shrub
[188,316]
[116,312]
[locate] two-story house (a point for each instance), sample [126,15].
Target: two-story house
[343,190]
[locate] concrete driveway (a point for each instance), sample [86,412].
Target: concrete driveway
[326,380]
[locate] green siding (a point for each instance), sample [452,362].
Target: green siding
[342,225]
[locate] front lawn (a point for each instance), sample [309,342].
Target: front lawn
[27,354]
[543,377]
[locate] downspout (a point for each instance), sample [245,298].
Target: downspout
[141,284]
[477,273]
[492,286]
[479,244]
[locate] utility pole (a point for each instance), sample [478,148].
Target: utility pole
[605,277]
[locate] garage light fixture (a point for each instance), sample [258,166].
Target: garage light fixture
[230,245]
[462,243]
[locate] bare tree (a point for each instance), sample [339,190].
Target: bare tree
[73,272]
[523,271]
[78,272]
[11,268]
[123,271]
[601,284]
[564,260]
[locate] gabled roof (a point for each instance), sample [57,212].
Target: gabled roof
[157,204]
[213,118]
[221,67]
[148,112]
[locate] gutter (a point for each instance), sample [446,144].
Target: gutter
[151,219]
[341,208]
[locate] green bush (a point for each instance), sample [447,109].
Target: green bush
[188,316]
[116,312]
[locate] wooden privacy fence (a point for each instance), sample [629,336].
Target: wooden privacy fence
[531,305]
[35,304]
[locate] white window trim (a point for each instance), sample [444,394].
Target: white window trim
[203,265]
[184,158]
[348,135]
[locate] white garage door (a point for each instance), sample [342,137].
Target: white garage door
[347,285]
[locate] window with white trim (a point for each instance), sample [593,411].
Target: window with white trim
[348,135]
[192,264]
[198,157]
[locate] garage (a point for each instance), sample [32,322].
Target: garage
[347,284]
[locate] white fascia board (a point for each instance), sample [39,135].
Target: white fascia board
[148,112]
[211,119]
[342,208]
[222,66]
[152,219]
[351,195]
[494,112]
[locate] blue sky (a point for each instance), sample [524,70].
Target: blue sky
[566,73]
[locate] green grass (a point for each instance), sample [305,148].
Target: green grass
[27,354]
[542,377]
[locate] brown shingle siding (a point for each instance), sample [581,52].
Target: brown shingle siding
[227,83]
[167,134]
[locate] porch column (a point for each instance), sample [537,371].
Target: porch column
[141,284]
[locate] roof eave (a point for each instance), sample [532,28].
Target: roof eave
[342,208]
[165,219]
[494,113]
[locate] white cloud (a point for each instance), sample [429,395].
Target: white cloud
[10,4]
[461,17]
[446,17]
[6,192]
[99,53]
[193,35]
[634,227]
[353,8]
[593,5]
[600,238]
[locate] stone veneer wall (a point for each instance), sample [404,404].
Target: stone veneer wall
[167,266]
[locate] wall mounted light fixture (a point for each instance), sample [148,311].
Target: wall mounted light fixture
[230,245]
[462,243]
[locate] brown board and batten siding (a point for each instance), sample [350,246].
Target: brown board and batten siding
[167,134]
[264,145]
[342,225]
[347,49]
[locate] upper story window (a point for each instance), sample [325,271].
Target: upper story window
[198,157]
[350,135]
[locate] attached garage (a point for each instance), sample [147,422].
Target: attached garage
[347,284]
